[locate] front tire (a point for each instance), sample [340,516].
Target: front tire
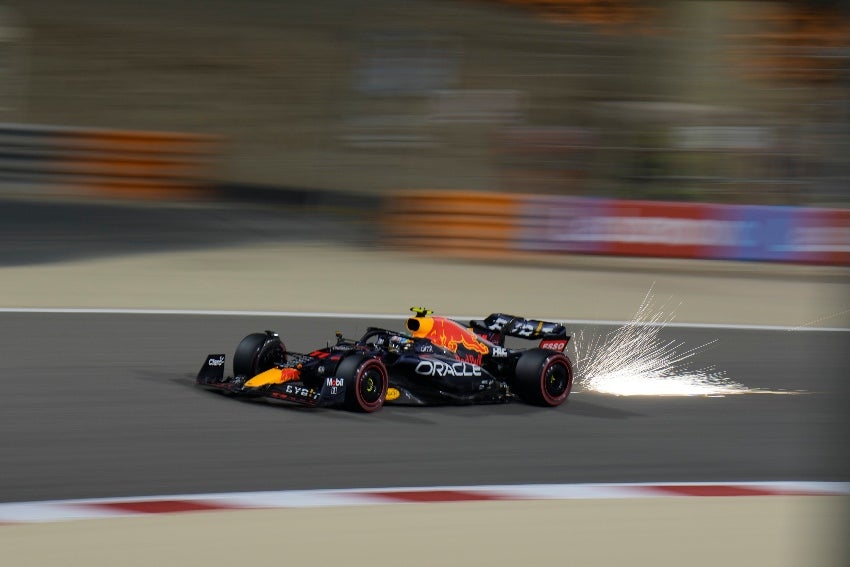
[366,382]
[544,377]
[257,353]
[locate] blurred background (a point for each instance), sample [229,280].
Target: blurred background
[697,129]
[733,102]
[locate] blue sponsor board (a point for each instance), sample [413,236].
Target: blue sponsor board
[761,235]
[778,234]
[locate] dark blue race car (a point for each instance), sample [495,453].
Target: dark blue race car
[436,360]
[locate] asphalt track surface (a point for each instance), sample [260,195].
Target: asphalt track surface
[98,405]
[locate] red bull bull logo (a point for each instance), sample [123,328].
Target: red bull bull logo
[450,335]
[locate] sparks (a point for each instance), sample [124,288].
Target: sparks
[819,320]
[634,361]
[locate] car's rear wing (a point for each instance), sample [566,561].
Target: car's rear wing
[496,326]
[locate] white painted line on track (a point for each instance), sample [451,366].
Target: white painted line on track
[331,315]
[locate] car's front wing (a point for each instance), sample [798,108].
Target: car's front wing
[211,376]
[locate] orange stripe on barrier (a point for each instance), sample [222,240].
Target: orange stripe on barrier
[456,223]
[135,139]
[138,164]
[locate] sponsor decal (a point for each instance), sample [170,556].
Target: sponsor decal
[302,392]
[335,382]
[289,374]
[454,337]
[471,358]
[529,329]
[499,352]
[553,344]
[392,394]
[440,368]
[216,361]
[498,324]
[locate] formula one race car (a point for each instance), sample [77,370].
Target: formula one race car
[436,361]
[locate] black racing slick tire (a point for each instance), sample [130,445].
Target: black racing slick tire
[543,377]
[257,353]
[366,382]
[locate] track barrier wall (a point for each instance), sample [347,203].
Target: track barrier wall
[465,223]
[105,163]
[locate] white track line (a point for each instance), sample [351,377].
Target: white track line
[323,315]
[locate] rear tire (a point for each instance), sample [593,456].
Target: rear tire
[544,377]
[366,382]
[257,353]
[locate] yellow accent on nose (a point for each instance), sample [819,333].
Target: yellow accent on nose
[392,394]
[270,376]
